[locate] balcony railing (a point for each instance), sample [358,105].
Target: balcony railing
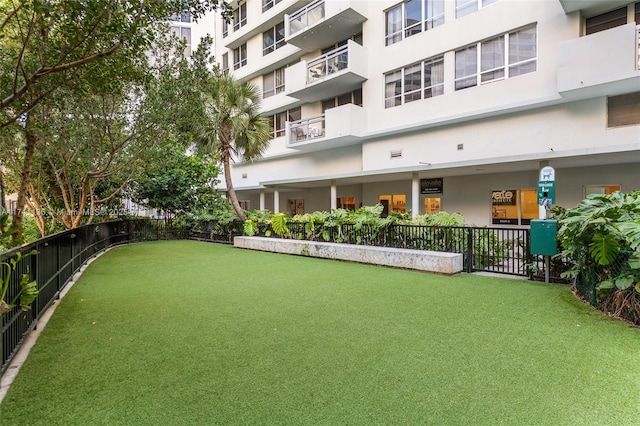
[308,15]
[304,130]
[329,63]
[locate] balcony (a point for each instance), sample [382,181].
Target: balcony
[600,64]
[338,71]
[576,5]
[322,23]
[337,127]
[257,23]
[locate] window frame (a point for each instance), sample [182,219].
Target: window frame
[240,56]
[277,88]
[468,7]
[277,43]
[225,28]
[240,16]
[278,121]
[621,110]
[268,4]
[225,61]
[514,62]
[605,21]
[405,30]
[418,90]
[339,100]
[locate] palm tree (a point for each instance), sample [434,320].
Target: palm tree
[234,126]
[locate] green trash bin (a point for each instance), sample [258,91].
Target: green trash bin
[543,237]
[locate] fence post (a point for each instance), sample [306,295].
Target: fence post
[469,249]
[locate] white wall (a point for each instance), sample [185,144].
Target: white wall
[568,129]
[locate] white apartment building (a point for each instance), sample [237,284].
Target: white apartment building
[429,105]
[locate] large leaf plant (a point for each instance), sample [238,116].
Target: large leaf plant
[602,237]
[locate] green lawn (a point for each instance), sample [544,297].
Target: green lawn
[190,333]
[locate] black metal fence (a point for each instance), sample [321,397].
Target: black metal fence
[499,250]
[58,258]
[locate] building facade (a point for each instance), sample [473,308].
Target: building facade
[438,105]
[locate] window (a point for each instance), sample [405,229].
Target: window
[183,33]
[240,56]
[273,83]
[529,208]
[296,206]
[522,52]
[613,18]
[605,21]
[354,97]
[599,189]
[240,17]
[225,28]
[268,4]
[393,89]
[487,59]
[279,120]
[393,25]
[182,17]
[245,204]
[273,39]
[466,67]
[514,206]
[347,203]
[432,205]
[492,60]
[465,7]
[393,203]
[504,207]
[356,38]
[225,61]
[433,78]
[623,110]
[412,17]
[417,81]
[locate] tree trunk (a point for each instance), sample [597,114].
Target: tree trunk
[25,178]
[230,191]
[3,205]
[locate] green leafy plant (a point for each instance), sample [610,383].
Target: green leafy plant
[250,228]
[601,235]
[279,224]
[6,230]
[28,290]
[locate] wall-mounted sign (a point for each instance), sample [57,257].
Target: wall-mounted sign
[504,207]
[505,197]
[431,186]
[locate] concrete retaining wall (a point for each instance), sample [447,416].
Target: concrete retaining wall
[422,260]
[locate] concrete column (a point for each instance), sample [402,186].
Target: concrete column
[262,203]
[276,200]
[415,195]
[334,195]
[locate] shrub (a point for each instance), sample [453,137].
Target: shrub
[601,235]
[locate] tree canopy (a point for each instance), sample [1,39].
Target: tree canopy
[45,45]
[90,90]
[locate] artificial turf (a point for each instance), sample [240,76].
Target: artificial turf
[190,333]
